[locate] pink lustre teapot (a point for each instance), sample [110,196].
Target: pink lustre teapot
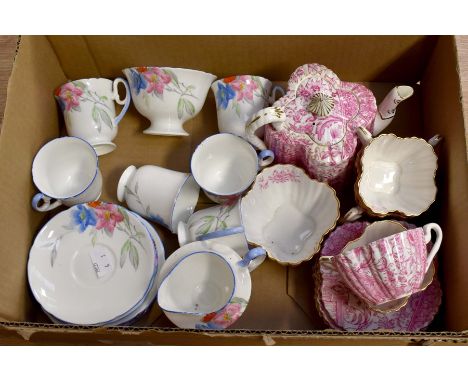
[314,124]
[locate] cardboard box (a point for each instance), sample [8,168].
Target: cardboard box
[282,308]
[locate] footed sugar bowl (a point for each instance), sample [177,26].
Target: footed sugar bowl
[314,125]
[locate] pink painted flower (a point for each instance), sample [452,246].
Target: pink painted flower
[228,315]
[108,216]
[70,94]
[157,80]
[244,87]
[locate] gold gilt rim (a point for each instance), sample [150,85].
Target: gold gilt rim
[319,243]
[318,280]
[360,170]
[405,299]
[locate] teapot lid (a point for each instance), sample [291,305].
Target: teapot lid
[321,106]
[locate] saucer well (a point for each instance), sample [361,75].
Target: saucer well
[92,264]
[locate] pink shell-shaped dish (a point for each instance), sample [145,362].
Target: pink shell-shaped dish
[343,310]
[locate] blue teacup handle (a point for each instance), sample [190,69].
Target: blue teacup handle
[41,203]
[125,102]
[273,97]
[255,253]
[265,158]
[221,233]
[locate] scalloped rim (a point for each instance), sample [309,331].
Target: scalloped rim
[319,243]
[405,299]
[318,278]
[361,169]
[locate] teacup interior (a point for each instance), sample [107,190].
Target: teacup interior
[288,240]
[64,167]
[201,283]
[224,164]
[398,175]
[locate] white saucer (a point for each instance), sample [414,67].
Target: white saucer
[92,264]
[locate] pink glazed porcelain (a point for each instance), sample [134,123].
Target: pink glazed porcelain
[314,125]
[390,268]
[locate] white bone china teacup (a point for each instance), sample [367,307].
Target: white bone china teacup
[89,110]
[65,169]
[224,165]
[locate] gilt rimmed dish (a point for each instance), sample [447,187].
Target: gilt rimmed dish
[342,310]
[92,264]
[396,176]
[285,193]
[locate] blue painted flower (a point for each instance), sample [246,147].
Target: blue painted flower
[138,81]
[83,217]
[224,95]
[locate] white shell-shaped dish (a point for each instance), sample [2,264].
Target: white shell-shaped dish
[288,214]
[398,175]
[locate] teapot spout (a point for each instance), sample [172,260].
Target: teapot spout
[387,108]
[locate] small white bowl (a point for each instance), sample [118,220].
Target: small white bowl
[397,176]
[288,214]
[168,97]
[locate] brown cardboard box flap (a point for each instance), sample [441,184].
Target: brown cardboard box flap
[281,298]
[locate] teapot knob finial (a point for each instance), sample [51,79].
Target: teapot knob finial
[321,104]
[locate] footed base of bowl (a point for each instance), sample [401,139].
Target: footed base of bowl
[176,132]
[103,148]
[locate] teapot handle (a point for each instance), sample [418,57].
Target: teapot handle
[265,116]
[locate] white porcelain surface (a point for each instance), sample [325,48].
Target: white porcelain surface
[201,279]
[168,97]
[288,214]
[238,98]
[66,169]
[224,166]
[89,110]
[163,196]
[398,175]
[65,256]
[215,219]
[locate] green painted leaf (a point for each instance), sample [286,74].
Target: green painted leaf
[180,108]
[95,115]
[238,112]
[124,252]
[133,256]
[103,98]
[223,225]
[173,76]
[125,216]
[239,300]
[206,226]
[189,108]
[80,84]
[105,118]
[53,256]
[129,191]
[93,240]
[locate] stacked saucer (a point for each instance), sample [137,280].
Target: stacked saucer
[95,264]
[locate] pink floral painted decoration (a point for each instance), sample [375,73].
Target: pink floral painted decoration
[341,236]
[70,95]
[244,87]
[278,176]
[386,269]
[323,145]
[344,311]
[157,79]
[225,317]
[108,216]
